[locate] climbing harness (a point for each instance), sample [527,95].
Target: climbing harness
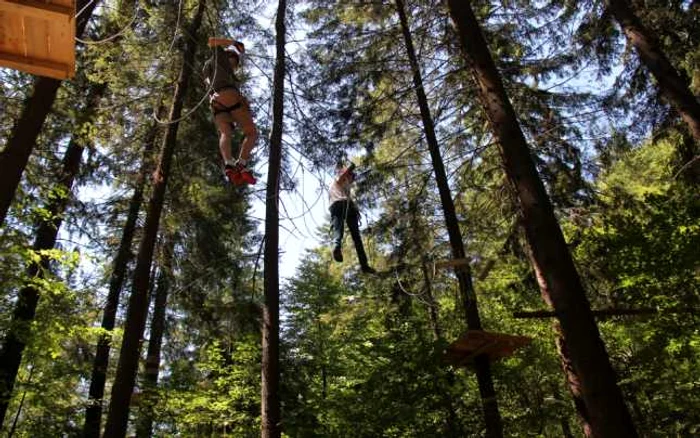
[218,108]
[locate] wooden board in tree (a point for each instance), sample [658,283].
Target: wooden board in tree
[38,37]
[476,342]
[452,263]
[600,313]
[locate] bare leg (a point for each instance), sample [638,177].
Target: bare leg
[223,124]
[241,117]
[244,120]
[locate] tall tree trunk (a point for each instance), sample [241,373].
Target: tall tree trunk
[492,417]
[608,413]
[134,325]
[13,428]
[47,231]
[673,88]
[270,404]
[144,428]
[14,158]
[93,413]
[573,382]
[432,304]
[451,422]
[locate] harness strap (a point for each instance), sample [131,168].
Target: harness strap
[225,109]
[226,87]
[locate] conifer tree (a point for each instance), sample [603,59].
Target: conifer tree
[608,413]
[494,427]
[672,85]
[26,130]
[144,428]
[19,334]
[123,386]
[93,413]
[270,418]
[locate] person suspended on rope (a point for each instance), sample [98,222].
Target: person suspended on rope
[230,107]
[343,210]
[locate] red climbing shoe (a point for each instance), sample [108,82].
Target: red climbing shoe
[238,174]
[245,176]
[233,175]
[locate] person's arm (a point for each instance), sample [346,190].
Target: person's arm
[346,176]
[206,72]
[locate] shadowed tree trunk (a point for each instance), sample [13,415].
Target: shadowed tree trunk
[608,414]
[14,158]
[19,333]
[673,88]
[123,386]
[93,412]
[573,382]
[492,417]
[13,428]
[144,428]
[451,422]
[432,304]
[270,403]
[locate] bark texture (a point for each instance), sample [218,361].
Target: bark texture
[117,419]
[270,404]
[93,413]
[144,428]
[609,416]
[489,402]
[573,382]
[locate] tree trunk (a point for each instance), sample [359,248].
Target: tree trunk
[14,158]
[673,88]
[270,403]
[573,382]
[603,398]
[13,428]
[432,304]
[123,386]
[451,423]
[19,333]
[492,417]
[93,413]
[144,429]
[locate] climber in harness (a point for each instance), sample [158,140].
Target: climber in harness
[230,107]
[343,210]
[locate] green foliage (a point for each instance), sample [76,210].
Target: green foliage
[226,399]
[639,250]
[362,356]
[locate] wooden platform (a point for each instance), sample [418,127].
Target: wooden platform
[38,37]
[452,263]
[476,342]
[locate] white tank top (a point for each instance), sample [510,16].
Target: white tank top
[338,191]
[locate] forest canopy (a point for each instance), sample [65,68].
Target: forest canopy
[522,172]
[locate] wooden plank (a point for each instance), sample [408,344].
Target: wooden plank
[477,342]
[452,263]
[39,67]
[37,9]
[538,314]
[37,43]
[12,38]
